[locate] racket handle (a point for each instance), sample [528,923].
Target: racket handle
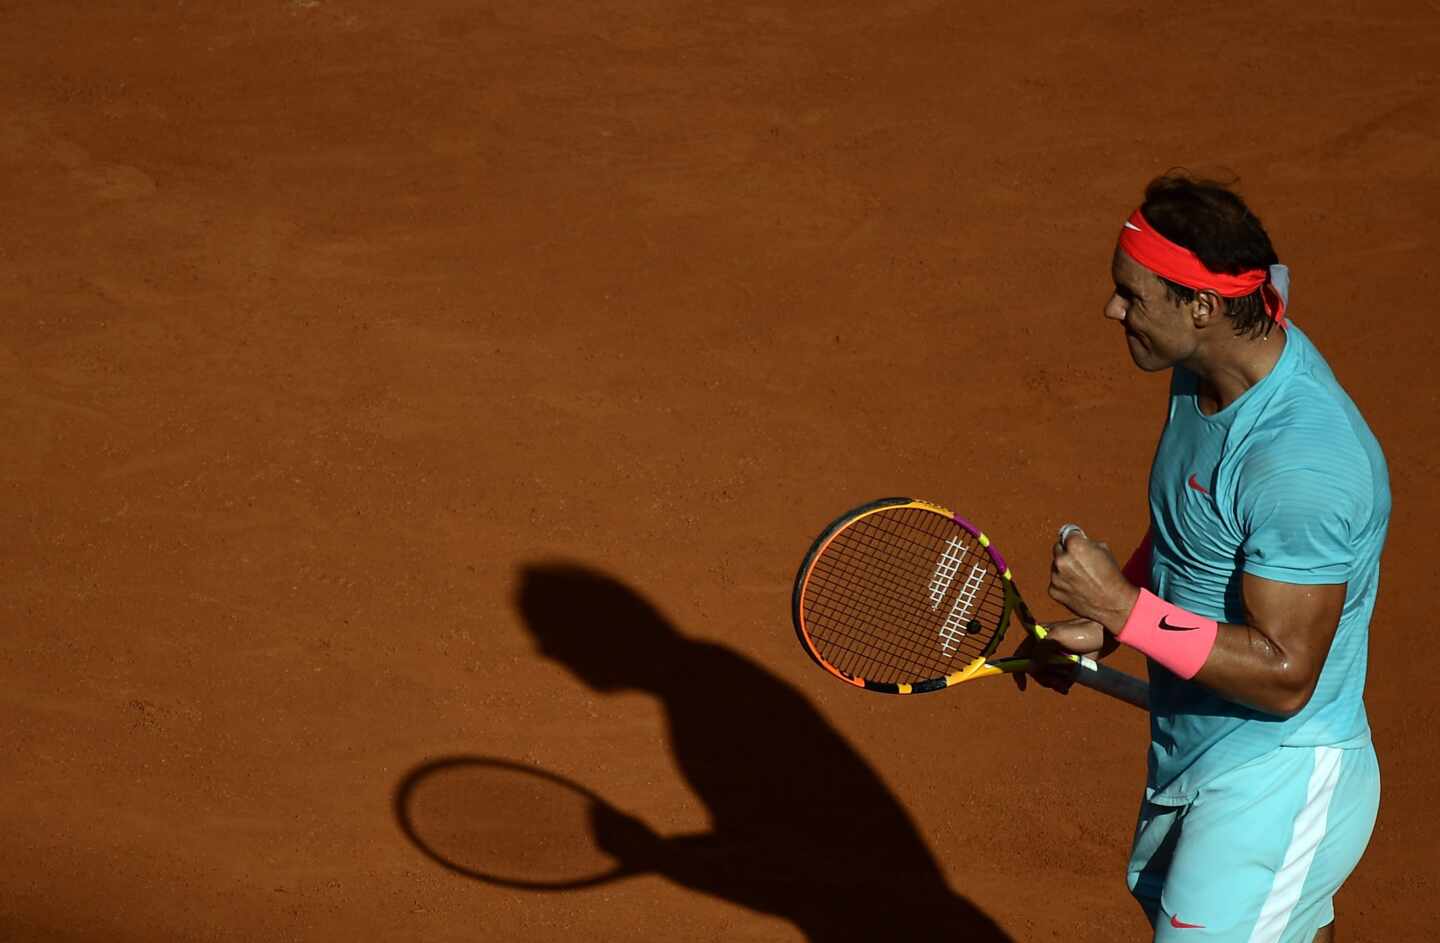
[1117,684]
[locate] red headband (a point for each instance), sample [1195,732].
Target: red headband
[1142,243]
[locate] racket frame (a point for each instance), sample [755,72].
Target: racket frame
[1088,672]
[404,816]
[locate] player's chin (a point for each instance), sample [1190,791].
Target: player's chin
[1145,358]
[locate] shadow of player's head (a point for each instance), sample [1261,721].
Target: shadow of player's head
[602,630]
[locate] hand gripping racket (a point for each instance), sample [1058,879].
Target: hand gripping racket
[902,596]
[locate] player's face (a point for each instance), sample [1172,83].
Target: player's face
[1158,330]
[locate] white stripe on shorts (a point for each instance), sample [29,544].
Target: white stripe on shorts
[1309,832]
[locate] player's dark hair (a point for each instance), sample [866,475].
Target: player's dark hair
[1211,220]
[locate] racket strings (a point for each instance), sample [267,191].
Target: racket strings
[902,596]
[507,823]
[863,627]
[862,633]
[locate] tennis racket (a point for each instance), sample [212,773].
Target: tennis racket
[902,596]
[516,826]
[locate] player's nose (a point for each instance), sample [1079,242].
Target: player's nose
[1115,308]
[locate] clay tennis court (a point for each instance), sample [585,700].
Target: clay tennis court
[391,386]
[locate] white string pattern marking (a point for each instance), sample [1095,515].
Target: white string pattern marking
[945,569]
[954,628]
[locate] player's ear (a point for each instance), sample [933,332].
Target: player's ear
[1205,309]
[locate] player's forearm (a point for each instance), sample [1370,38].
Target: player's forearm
[1240,662]
[1250,668]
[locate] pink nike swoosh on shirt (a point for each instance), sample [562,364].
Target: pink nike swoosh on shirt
[1178,924]
[1195,483]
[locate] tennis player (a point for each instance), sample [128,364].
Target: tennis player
[1251,595]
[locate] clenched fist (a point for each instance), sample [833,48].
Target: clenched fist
[1085,579]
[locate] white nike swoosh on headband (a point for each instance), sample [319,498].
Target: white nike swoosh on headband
[1130,225]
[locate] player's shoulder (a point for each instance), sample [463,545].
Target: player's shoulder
[1309,428]
[1308,439]
[1309,411]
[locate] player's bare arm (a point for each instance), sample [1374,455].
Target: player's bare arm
[1271,662]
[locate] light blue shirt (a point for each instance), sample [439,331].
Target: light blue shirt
[1286,483]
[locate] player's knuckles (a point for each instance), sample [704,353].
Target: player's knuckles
[1064,594]
[1061,582]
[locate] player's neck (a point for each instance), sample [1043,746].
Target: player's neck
[1233,365]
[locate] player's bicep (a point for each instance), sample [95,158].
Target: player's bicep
[1298,621]
[1298,553]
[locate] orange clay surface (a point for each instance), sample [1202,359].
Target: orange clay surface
[384,383]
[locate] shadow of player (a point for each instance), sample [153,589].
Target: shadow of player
[803,829]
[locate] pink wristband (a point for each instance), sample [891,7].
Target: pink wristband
[1179,640]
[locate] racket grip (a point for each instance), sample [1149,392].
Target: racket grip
[1117,684]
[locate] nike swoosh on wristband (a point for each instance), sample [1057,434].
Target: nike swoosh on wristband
[1176,628]
[1179,924]
[1195,483]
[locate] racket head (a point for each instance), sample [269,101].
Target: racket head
[506,823]
[903,596]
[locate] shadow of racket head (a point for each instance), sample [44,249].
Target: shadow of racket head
[514,825]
